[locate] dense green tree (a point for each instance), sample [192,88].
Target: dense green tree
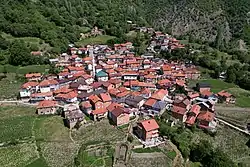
[19,53]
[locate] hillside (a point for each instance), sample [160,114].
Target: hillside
[59,22]
[201,18]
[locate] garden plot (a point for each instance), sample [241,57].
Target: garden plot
[51,128]
[98,132]
[156,159]
[18,156]
[59,154]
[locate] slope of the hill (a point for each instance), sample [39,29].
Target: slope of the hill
[59,22]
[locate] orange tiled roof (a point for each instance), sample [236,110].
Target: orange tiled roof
[149,125]
[33,75]
[47,104]
[29,84]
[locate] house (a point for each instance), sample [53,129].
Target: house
[179,113]
[96,101]
[160,95]
[73,115]
[206,120]
[27,89]
[99,113]
[70,97]
[48,85]
[46,107]
[106,99]
[119,116]
[203,86]
[33,76]
[36,97]
[185,103]
[102,76]
[134,101]
[226,97]
[86,107]
[192,115]
[147,130]
[130,75]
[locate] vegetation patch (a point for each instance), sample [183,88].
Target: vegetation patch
[101,156]
[218,85]
[51,128]
[99,132]
[59,154]
[101,39]
[16,128]
[147,150]
[18,156]
[40,162]
[10,86]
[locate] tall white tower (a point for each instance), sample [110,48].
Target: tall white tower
[91,54]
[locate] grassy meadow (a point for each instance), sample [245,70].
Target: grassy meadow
[101,39]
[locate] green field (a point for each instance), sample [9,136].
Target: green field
[31,40]
[42,141]
[51,128]
[16,123]
[94,157]
[147,150]
[23,70]
[18,156]
[101,39]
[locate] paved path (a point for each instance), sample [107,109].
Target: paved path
[234,127]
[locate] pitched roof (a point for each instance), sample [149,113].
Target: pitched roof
[149,125]
[159,105]
[105,97]
[206,93]
[47,94]
[33,75]
[113,105]
[29,84]
[64,89]
[46,104]
[206,116]
[150,102]
[99,111]
[94,98]
[118,111]
[179,110]
[195,109]
[224,93]
[160,94]
[48,82]
[101,74]
[86,104]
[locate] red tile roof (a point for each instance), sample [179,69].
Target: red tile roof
[33,75]
[160,94]
[195,109]
[224,93]
[113,105]
[206,93]
[206,116]
[105,97]
[48,82]
[99,111]
[149,125]
[179,110]
[86,104]
[150,102]
[64,90]
[47,94]
[46,104]
[94,98]
[29,84]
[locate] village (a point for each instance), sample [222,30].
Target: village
[100,82]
